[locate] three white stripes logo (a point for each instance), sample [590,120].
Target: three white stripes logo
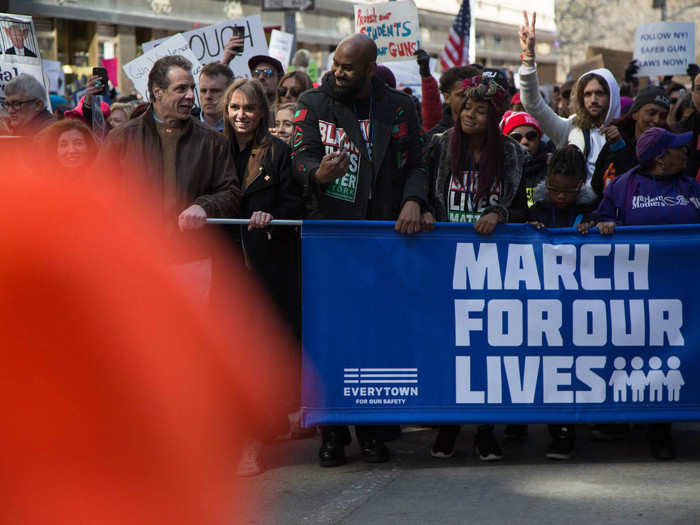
[377,376]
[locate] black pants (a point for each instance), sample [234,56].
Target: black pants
[364,433]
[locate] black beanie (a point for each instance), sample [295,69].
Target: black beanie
[651,95]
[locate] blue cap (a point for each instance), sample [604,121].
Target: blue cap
[655,141]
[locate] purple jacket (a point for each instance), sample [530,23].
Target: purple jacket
[638,197]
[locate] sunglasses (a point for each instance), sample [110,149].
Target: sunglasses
[293,91]
[530,135]
[266,72]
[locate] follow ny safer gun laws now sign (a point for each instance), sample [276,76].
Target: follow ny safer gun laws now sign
[664,48]
[520,326]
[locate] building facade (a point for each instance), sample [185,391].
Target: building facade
[79,33]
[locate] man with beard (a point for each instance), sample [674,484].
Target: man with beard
[596,99]
[187,163]
[357,151]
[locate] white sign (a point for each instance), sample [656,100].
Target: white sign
[138,69]
[207,43]
[19,50]
[281,47]
[393,26]
[407,75]
[664,48]
[55,75]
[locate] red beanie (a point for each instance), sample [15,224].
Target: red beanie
[515,99]
[513,119]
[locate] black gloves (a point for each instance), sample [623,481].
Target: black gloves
[631,71]
[423,60]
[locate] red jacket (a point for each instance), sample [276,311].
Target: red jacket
[431,106]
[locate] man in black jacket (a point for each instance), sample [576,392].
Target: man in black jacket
[357,151]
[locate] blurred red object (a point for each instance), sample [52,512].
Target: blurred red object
[123,400]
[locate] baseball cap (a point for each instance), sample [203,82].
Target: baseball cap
[257,59]
[655,141]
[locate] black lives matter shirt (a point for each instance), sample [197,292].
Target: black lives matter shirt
[462,202]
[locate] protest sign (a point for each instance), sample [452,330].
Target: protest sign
[407,75]
[137,70]
[207,43]
[393,26]
[281,47]
[664,48]
[521,326]
[578,69]
[55,76]
[19,50]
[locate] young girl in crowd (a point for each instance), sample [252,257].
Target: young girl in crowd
[641,196]
[291,85]
[476,177]
[284,122]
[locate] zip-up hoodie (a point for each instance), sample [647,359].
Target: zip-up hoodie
[561,130]
[638,197]
[545,212]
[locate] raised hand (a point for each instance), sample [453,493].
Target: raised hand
[527,34]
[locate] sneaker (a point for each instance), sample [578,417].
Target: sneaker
[562,446]
[609,431]
[486,446]
[250,463]
[515,432]
[444,446]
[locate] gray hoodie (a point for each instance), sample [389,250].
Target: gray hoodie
[562,130]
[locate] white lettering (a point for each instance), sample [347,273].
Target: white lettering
[595,332]
[485,267]
[497,310]
[553,270]
[522,392]
[552,379]
[493,374]
[638,267]
[539,324]
[521,266]
[619,322]
[665,318]
[464,324]
[463,378]
[584,373]
[589,281]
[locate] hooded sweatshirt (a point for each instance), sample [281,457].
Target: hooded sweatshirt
[545,212]
[561,130]
[638,198]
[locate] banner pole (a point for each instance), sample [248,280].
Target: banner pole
[273,222]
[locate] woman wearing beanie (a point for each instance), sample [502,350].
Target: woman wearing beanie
[655,192]
[524,128]
[649,109]
[476,177]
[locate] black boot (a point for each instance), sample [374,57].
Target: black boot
[332,451]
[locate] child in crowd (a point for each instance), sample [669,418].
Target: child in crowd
[563,200]
[284,122]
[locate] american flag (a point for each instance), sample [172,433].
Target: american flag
[456,52]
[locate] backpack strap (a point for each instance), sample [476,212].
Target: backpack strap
[587,143]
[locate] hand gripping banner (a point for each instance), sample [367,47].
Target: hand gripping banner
[521,326]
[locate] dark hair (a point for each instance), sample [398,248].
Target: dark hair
[684,103]
[673,86]
[217,68]
[567,161]
[491,161]
[255,94]
[47,139]
[158,75]
[583,119]
[455,74]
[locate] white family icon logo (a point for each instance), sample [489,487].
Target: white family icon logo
[655,379]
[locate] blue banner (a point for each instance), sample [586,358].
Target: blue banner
[522,326]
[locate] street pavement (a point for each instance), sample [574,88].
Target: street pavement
[606,483]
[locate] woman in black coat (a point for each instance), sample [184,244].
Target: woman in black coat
[269,192]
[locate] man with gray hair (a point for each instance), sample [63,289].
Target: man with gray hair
[25,103]
[189,165]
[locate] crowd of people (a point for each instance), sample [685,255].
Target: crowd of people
[474,150]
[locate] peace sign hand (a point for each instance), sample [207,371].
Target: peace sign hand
[527,34]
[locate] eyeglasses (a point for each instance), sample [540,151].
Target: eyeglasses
[17,105]
[564,191]
[530,135]
[266,72]
[282,91]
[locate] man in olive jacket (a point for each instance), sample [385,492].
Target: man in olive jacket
[187,164]
[357,151]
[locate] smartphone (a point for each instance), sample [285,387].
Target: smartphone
[239,31]
[104,80]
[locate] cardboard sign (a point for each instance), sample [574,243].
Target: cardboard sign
[580,68]
[614,60]
[281,47]
[138,69]
[19,51]
[207,43]
[664,48]
[393,26]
